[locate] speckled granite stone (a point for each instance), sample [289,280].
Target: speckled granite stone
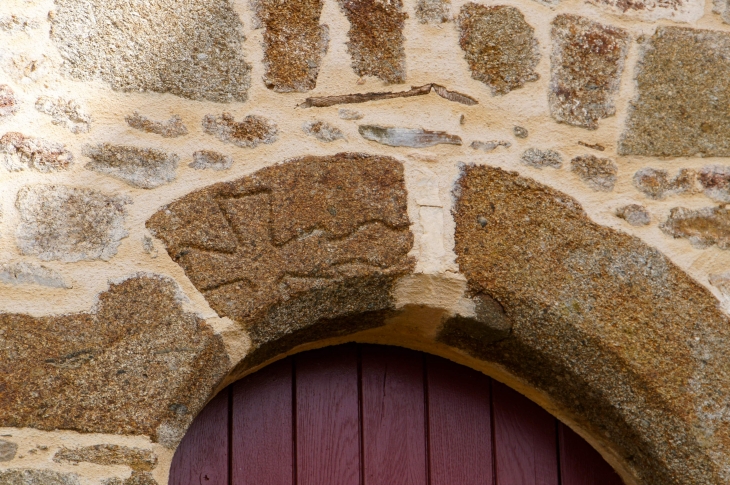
[135,458]
[145,168]
[597,173]
[37,477]
[702,227]
[127,367]
[620,338]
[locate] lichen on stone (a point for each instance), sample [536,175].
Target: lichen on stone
[189,48]
[139,167]
[204,159]
[499,45]
[65,112]
[598,173]
[8,101]
[542,158]
[635,214]
[433,11]
[656,184]
[703,227]
[20,152]
[171,128]
[586,66]
[248,133]
[323,131]
[106,454]
[70,224]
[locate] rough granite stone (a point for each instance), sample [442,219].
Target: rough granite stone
[376,38]
[323,131]
[586,66]
[22,273]
[542,158]
[139,167]
[294,43]
[656,184]
[204,159]
[248,133]
[65,112]
[20,152]
[189,48]
[137,478]
[126,367]
[297,249]
[499,45]
[653,10]
[715,180]
[626,343]
[7,450]
[598,173]
[135,458]
[488,325]
[8,102]
[703,227]
[36,477]
[635,214]
[682,108]
[433,11]
[171,128]
[69,224]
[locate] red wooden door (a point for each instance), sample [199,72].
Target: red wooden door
[376,415]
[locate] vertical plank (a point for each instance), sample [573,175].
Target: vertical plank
[459,424]
[525,441]
[327,417]
[262,428]
[202,457]
[581,464]
[393,416]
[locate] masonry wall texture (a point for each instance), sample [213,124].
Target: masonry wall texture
[191,189]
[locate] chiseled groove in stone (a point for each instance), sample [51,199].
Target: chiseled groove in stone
[682,75]
[625,342]
[294,43]
[586,66]
[136,364]
[376,38]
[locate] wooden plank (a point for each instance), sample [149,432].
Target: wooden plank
[525,442]
[262,433]
[393,416]
[581,464]
[202,457]
[327,417]
[459,424]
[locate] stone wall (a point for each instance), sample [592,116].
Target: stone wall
[191,189]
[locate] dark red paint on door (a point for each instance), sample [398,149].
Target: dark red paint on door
[376,415]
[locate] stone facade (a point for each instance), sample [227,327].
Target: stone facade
[192,189]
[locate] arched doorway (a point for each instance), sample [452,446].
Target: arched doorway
[377,415]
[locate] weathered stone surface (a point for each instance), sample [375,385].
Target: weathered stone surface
[20,152]
[248,133]
[295,250]
[349,114]
[323,131]
[407,137]
[69,224]
[652,10]
[715,180]
[433,11]
[621,339]
[171,128]
[65,112]
[598,173]
[37,477]
[376,38]
[488,146]
[8,102]
[190,48]
[703,227]
[499,45]
[135,458]
[294,43]
[145,168]
[7,450]
[634,214]
[204,159]
[127,367]
[541,159]
[586,66]
[489,325]
[137,478]
[655,183]
[22,273]
[683,103]
[520,132]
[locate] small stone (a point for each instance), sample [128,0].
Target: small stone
[653,10]
[715,180]
[482,221]
[20,152]
[148,246]
[499,45]
[586,65]
[489,146]
[541,159]
[407,137]
[171,128]
[593,146]
[520,132]
[721,281]
[248,133]
[106,454]
[204,159]
[65,112]
[323,131]
[22,273]
[7,450]
[634,214]
[722,7]
[139,167]
[137,478]
[703,227]
[433,11]
[462,120]
[598,173]
[656,184]
[36,477]
[8,102]
[69,224]
[349,114]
